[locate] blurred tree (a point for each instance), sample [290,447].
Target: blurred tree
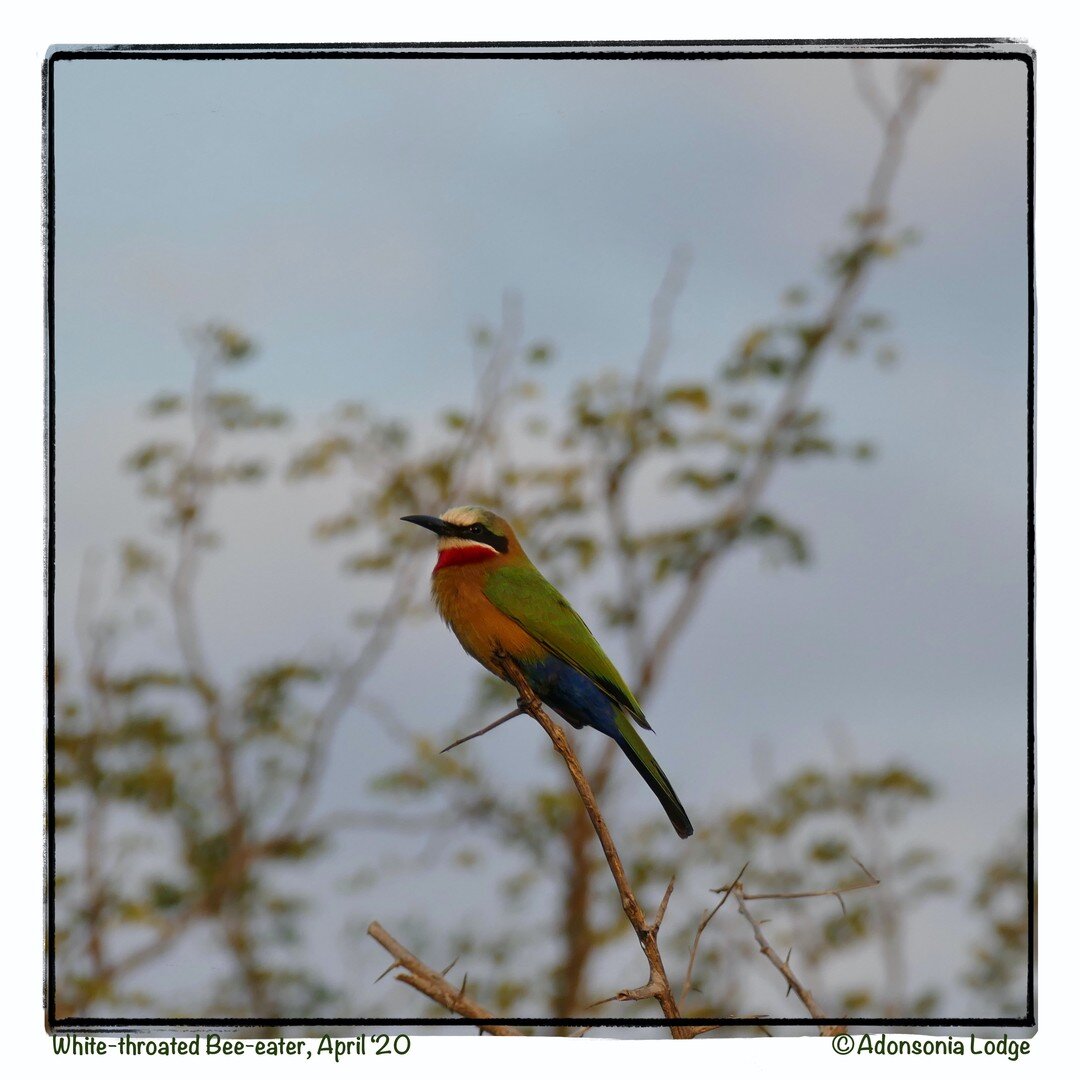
[164,766]
[182,791]
[1000,967]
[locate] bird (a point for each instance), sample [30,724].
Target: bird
[498,604]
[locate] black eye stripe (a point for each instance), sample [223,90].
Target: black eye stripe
[476,531]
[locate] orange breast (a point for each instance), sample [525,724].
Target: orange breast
[480,627]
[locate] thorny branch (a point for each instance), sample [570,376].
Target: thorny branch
[658,985]
[706,918]
[869,883]
[484,730]
[784,968]
[738,890]
[432,984]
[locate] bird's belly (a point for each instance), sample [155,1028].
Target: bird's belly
[481,628]
[484,631]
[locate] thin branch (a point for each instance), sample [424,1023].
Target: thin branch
[706,918]
[730,522]
[658,986]
[432,984]
[484,730]
[489,396]
[661,313]
[617,471]
[804,995]
[702,1029]
[870,883]
[662,909]
[345,689]
[869,91]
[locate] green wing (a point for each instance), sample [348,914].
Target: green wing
[523,594]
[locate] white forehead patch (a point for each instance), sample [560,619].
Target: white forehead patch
[462,515]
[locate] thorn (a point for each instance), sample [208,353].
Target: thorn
[388,970]
[602,1001]
[662,909]
[446,969]
[843,906]
[726,889]
[873,877]
[786,960]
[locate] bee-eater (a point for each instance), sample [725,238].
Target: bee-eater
[498,604]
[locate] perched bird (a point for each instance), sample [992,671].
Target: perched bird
[498,604]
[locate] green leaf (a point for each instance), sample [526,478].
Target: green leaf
[540,353]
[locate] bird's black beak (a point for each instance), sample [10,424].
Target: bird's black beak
[425,521]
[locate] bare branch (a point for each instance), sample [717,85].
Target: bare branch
[730,523]
[662,909]
[618,470]
[706,918]
[868,90]
[484,730]
[660,319]
[658,985]
[783,967]
[432,984]
[870,883]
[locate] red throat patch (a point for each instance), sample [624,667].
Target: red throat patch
[461,556]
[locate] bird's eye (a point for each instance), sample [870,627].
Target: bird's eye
[475,530]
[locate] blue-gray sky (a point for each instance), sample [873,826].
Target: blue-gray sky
[357,217]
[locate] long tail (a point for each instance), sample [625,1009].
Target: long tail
[653,775]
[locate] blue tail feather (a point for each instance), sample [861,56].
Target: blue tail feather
[578,701]
[573,696]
